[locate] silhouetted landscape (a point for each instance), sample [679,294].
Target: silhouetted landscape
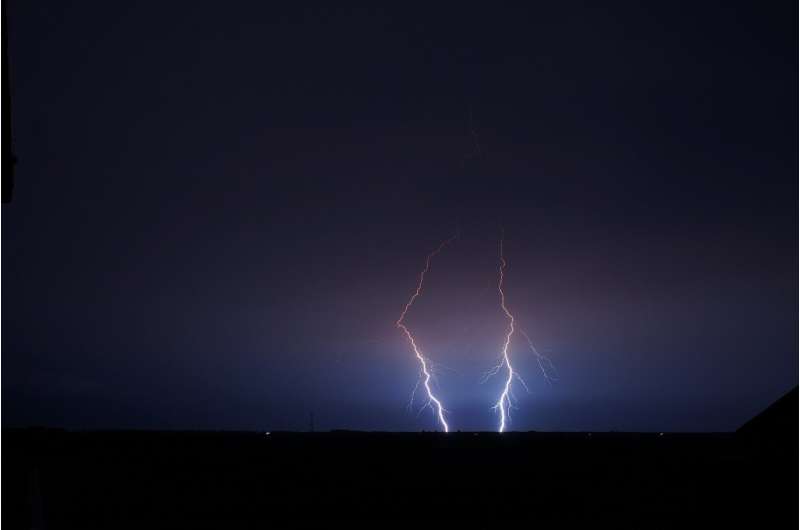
[113,479]
[523,260]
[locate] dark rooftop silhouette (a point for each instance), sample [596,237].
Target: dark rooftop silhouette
[777,420]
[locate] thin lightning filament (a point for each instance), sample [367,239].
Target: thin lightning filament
[503,404]
[425,363]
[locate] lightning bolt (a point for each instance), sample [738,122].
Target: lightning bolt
[506,401]
[426,370]
[504,404]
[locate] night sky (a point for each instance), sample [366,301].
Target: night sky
[221,209]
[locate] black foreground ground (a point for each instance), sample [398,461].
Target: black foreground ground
[59,479]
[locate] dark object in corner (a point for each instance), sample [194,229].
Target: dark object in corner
[777,425]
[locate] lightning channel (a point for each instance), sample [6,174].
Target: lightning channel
[506,401]
[504,404]
[426,366]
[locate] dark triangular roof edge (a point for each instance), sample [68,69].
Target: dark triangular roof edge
[779,417]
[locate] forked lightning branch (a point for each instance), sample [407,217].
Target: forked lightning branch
[505,402]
